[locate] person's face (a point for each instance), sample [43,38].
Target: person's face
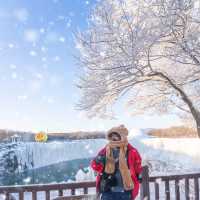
[115,137]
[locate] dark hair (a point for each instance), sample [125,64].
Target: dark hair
[114,133]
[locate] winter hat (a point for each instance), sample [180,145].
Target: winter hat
[121,130]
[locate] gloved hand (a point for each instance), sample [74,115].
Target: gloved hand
[100,159]
[139,177]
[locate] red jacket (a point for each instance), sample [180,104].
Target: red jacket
[134,163]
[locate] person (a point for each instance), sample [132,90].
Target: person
[118,167]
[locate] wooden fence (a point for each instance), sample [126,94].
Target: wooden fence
[185,186]
[150,188]
[8,191]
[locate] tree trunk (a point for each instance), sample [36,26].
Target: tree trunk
[198,123]
[195,113]
[198,130]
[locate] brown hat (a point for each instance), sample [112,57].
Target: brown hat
[121,130]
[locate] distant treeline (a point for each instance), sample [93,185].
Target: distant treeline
[76,135]
[7,135]
[172,132]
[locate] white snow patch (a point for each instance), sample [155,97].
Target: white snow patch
[33,53]
[31,35]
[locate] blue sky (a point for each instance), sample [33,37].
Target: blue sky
[38,70]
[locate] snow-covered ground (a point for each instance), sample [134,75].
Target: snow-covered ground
[167,155]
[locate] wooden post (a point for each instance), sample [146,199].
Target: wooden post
[196,188]
[34,195]
[85,190]
[187,189]
[144,189]
[72,191]
[60,193]
[157,190]
[7,196]
[47,193]
[21,195]
[167,190]
[177,189]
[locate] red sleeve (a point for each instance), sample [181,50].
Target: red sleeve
[98,167]
[138,162]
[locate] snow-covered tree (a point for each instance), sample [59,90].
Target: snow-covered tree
[149,49]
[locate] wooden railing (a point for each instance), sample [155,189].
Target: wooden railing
[186,186]
[183,186]
[70,188]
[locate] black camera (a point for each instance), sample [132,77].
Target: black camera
[107,181]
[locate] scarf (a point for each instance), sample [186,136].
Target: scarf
[110,162]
